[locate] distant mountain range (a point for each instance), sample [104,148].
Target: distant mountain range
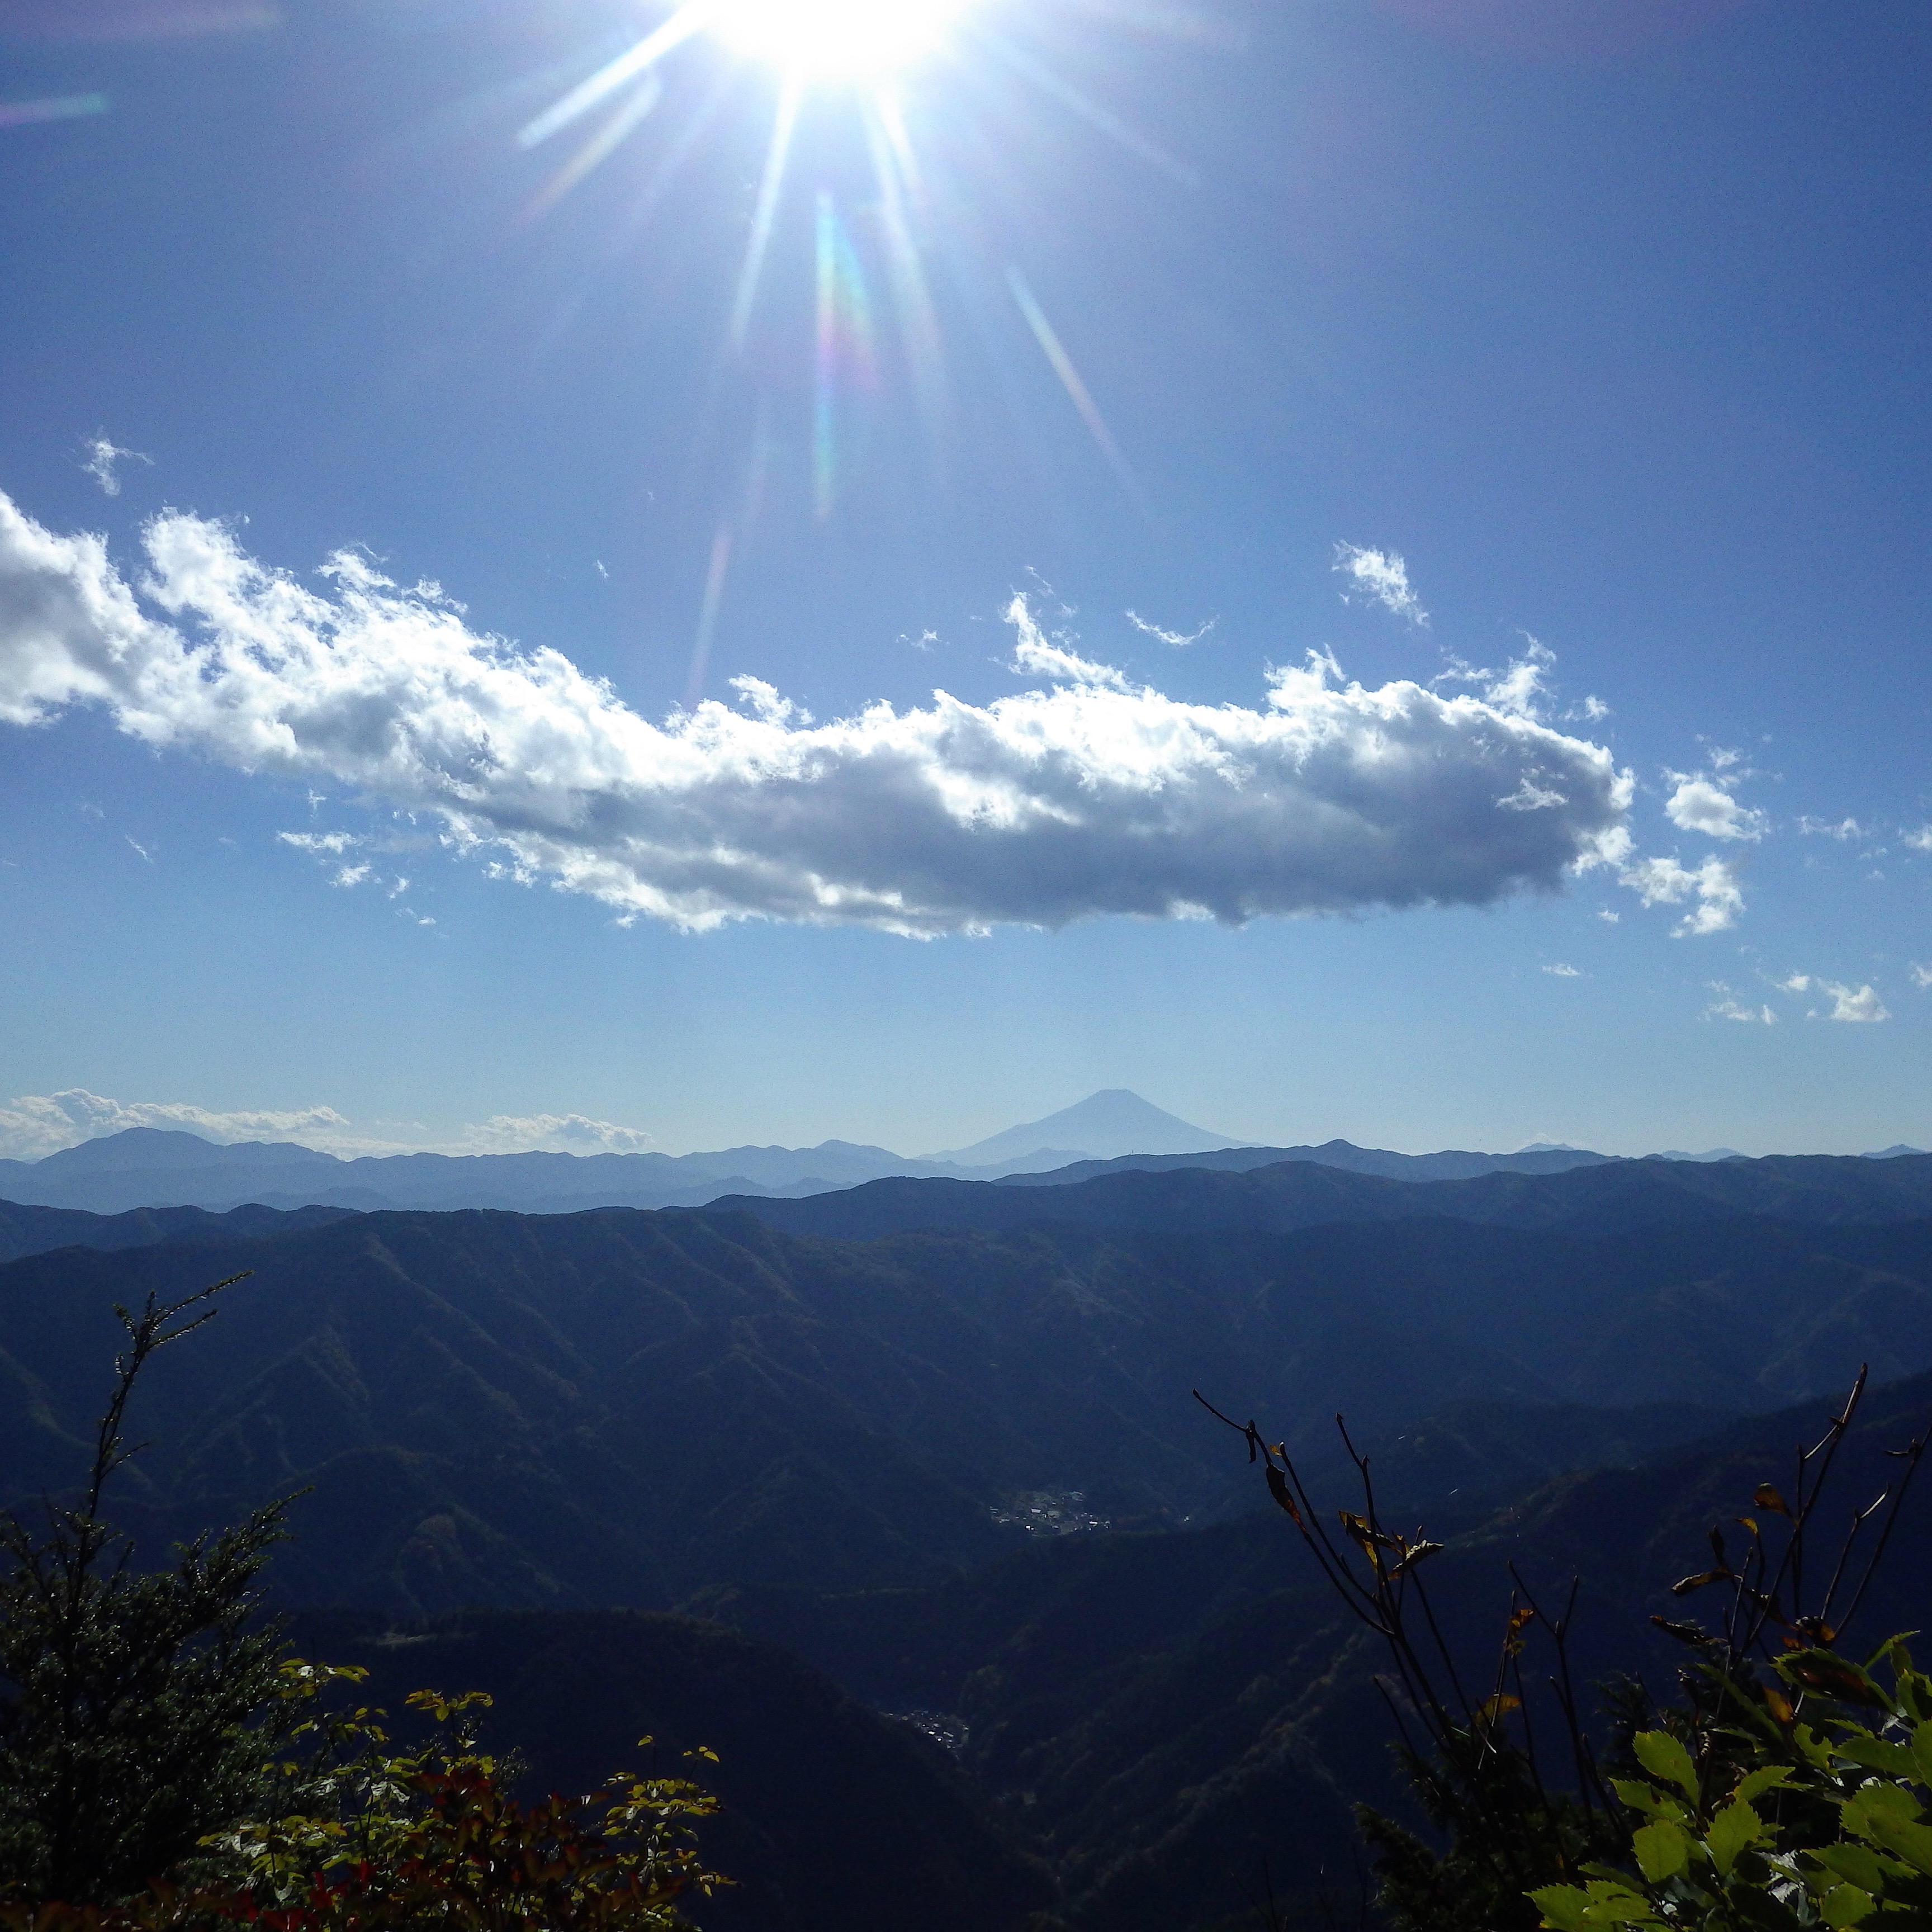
[150,1167]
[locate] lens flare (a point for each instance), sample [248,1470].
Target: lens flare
[831,39]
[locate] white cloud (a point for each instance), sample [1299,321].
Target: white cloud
[1382,575]
[1848,1003]
[1728,1007]
[37,1124]
[1089,797]
[1921,975]
[553,1133]
[1698,805]
[1820,828]
[1855,1004]
[1177,640]
[1609,917]
[102,456]
[1920,841]
[1719,901]
[1563,972]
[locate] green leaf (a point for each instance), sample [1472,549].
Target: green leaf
[1663,1850]
[1902,1837]
[1646,1798]
[1601,1907]
[1760,1781]
[1845,1905]
[1854,1863]
[1877,1754]
[1735,1827]
[1664,1757]
[1921,1752]
[1562,1906]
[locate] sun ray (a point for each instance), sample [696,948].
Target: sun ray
[843,346]
[707,615]
[1070,381]
[1091,111]
[687,20]
[790,94]
[897,176]
[600,147]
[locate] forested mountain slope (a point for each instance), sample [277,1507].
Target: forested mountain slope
[621,1408]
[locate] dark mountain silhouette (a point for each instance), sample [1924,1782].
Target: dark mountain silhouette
[35,1230]
[1604,1197]
[1452,1164]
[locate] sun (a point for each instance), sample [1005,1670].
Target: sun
[835,39]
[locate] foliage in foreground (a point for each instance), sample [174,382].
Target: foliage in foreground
[165,1767]
[1788,1786]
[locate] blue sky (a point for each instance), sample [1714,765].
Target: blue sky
[1608,321]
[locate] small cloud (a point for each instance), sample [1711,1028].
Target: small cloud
[1382,575]
[102,456]
[1862,1004]
[927,641]
[1589,710]
[1714,886]
[141,850]
[1561,971]
[1921,976]
[1609,917]
[1730,1008]
[566,1133]
[1698,805]
[1177,640]
[1819,828]
[598,565]
[88,809]
[348,876]
[1798,983]
[1920,841]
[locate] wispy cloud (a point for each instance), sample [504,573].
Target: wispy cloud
[1176,640]
[1381,576]
[102,456]
[1088,796]
[1921,975]
[1841,829]
[1920,841]
[1728,1006]
[1561,971]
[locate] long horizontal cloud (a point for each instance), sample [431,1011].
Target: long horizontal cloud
[33,1125]
[1091,796]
